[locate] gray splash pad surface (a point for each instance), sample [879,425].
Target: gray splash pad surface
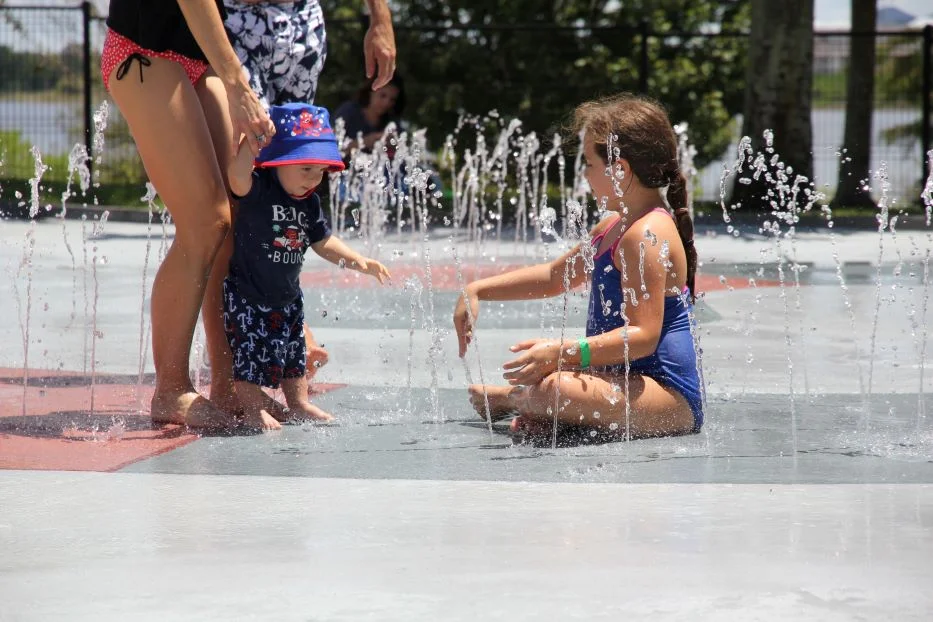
[695,540]
[381,435]
[157,547]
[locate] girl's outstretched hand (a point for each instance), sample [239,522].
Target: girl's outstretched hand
[464,317]
[374,268]
[538,359]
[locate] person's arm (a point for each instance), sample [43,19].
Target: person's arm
[645,317]
[334,250]
[240,171]
[543,280]
[248,116]
[539,281]
[539,357]
[379,44]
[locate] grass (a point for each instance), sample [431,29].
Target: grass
[50,193]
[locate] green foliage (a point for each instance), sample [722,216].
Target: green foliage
[900,69]
[124,184]
[900,78]
[540,74]
[829,89]
[30,72]
[17,161]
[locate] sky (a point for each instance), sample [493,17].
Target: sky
[836,12]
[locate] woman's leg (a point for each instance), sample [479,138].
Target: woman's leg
[213,99]
[594,400]
[171,133]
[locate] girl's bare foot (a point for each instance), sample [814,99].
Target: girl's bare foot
[501,400]
[260,420]
[189,408]
[529,427]
[306,411]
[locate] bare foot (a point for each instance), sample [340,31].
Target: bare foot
[260,420]
[275,408]
[529,427]
[223,396]
[189,408]
[306,411]
[227,403]
[501,400]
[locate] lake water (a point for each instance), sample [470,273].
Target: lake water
[54,126]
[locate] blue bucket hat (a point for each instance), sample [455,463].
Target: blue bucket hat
[302,136]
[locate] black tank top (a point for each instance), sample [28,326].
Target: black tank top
[156,25]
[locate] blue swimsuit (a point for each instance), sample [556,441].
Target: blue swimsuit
[674,362]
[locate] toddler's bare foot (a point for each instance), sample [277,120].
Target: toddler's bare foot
[188,408]
[260,420]
[501,402]
[274,408]
[306,411]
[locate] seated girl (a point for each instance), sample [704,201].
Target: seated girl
[636,371]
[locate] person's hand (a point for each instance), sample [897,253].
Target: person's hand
[379,52]
[249,118]
[374,268]
[538,359]
[464,317]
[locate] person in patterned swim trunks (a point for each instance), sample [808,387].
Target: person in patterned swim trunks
[279,218]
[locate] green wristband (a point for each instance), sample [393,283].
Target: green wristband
[584,352]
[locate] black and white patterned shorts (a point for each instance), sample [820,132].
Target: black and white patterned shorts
[268,343]
[282,47]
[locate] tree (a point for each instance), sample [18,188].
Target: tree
[900,83]
[778,90]
[476,62]
[860,89]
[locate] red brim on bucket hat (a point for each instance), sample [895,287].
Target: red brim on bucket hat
[303,136]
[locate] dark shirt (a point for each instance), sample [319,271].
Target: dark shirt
[156,25]
[355,121]
[272,232]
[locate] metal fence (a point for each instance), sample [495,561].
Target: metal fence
[50,90]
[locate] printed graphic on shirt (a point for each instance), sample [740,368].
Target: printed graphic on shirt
[289,240]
